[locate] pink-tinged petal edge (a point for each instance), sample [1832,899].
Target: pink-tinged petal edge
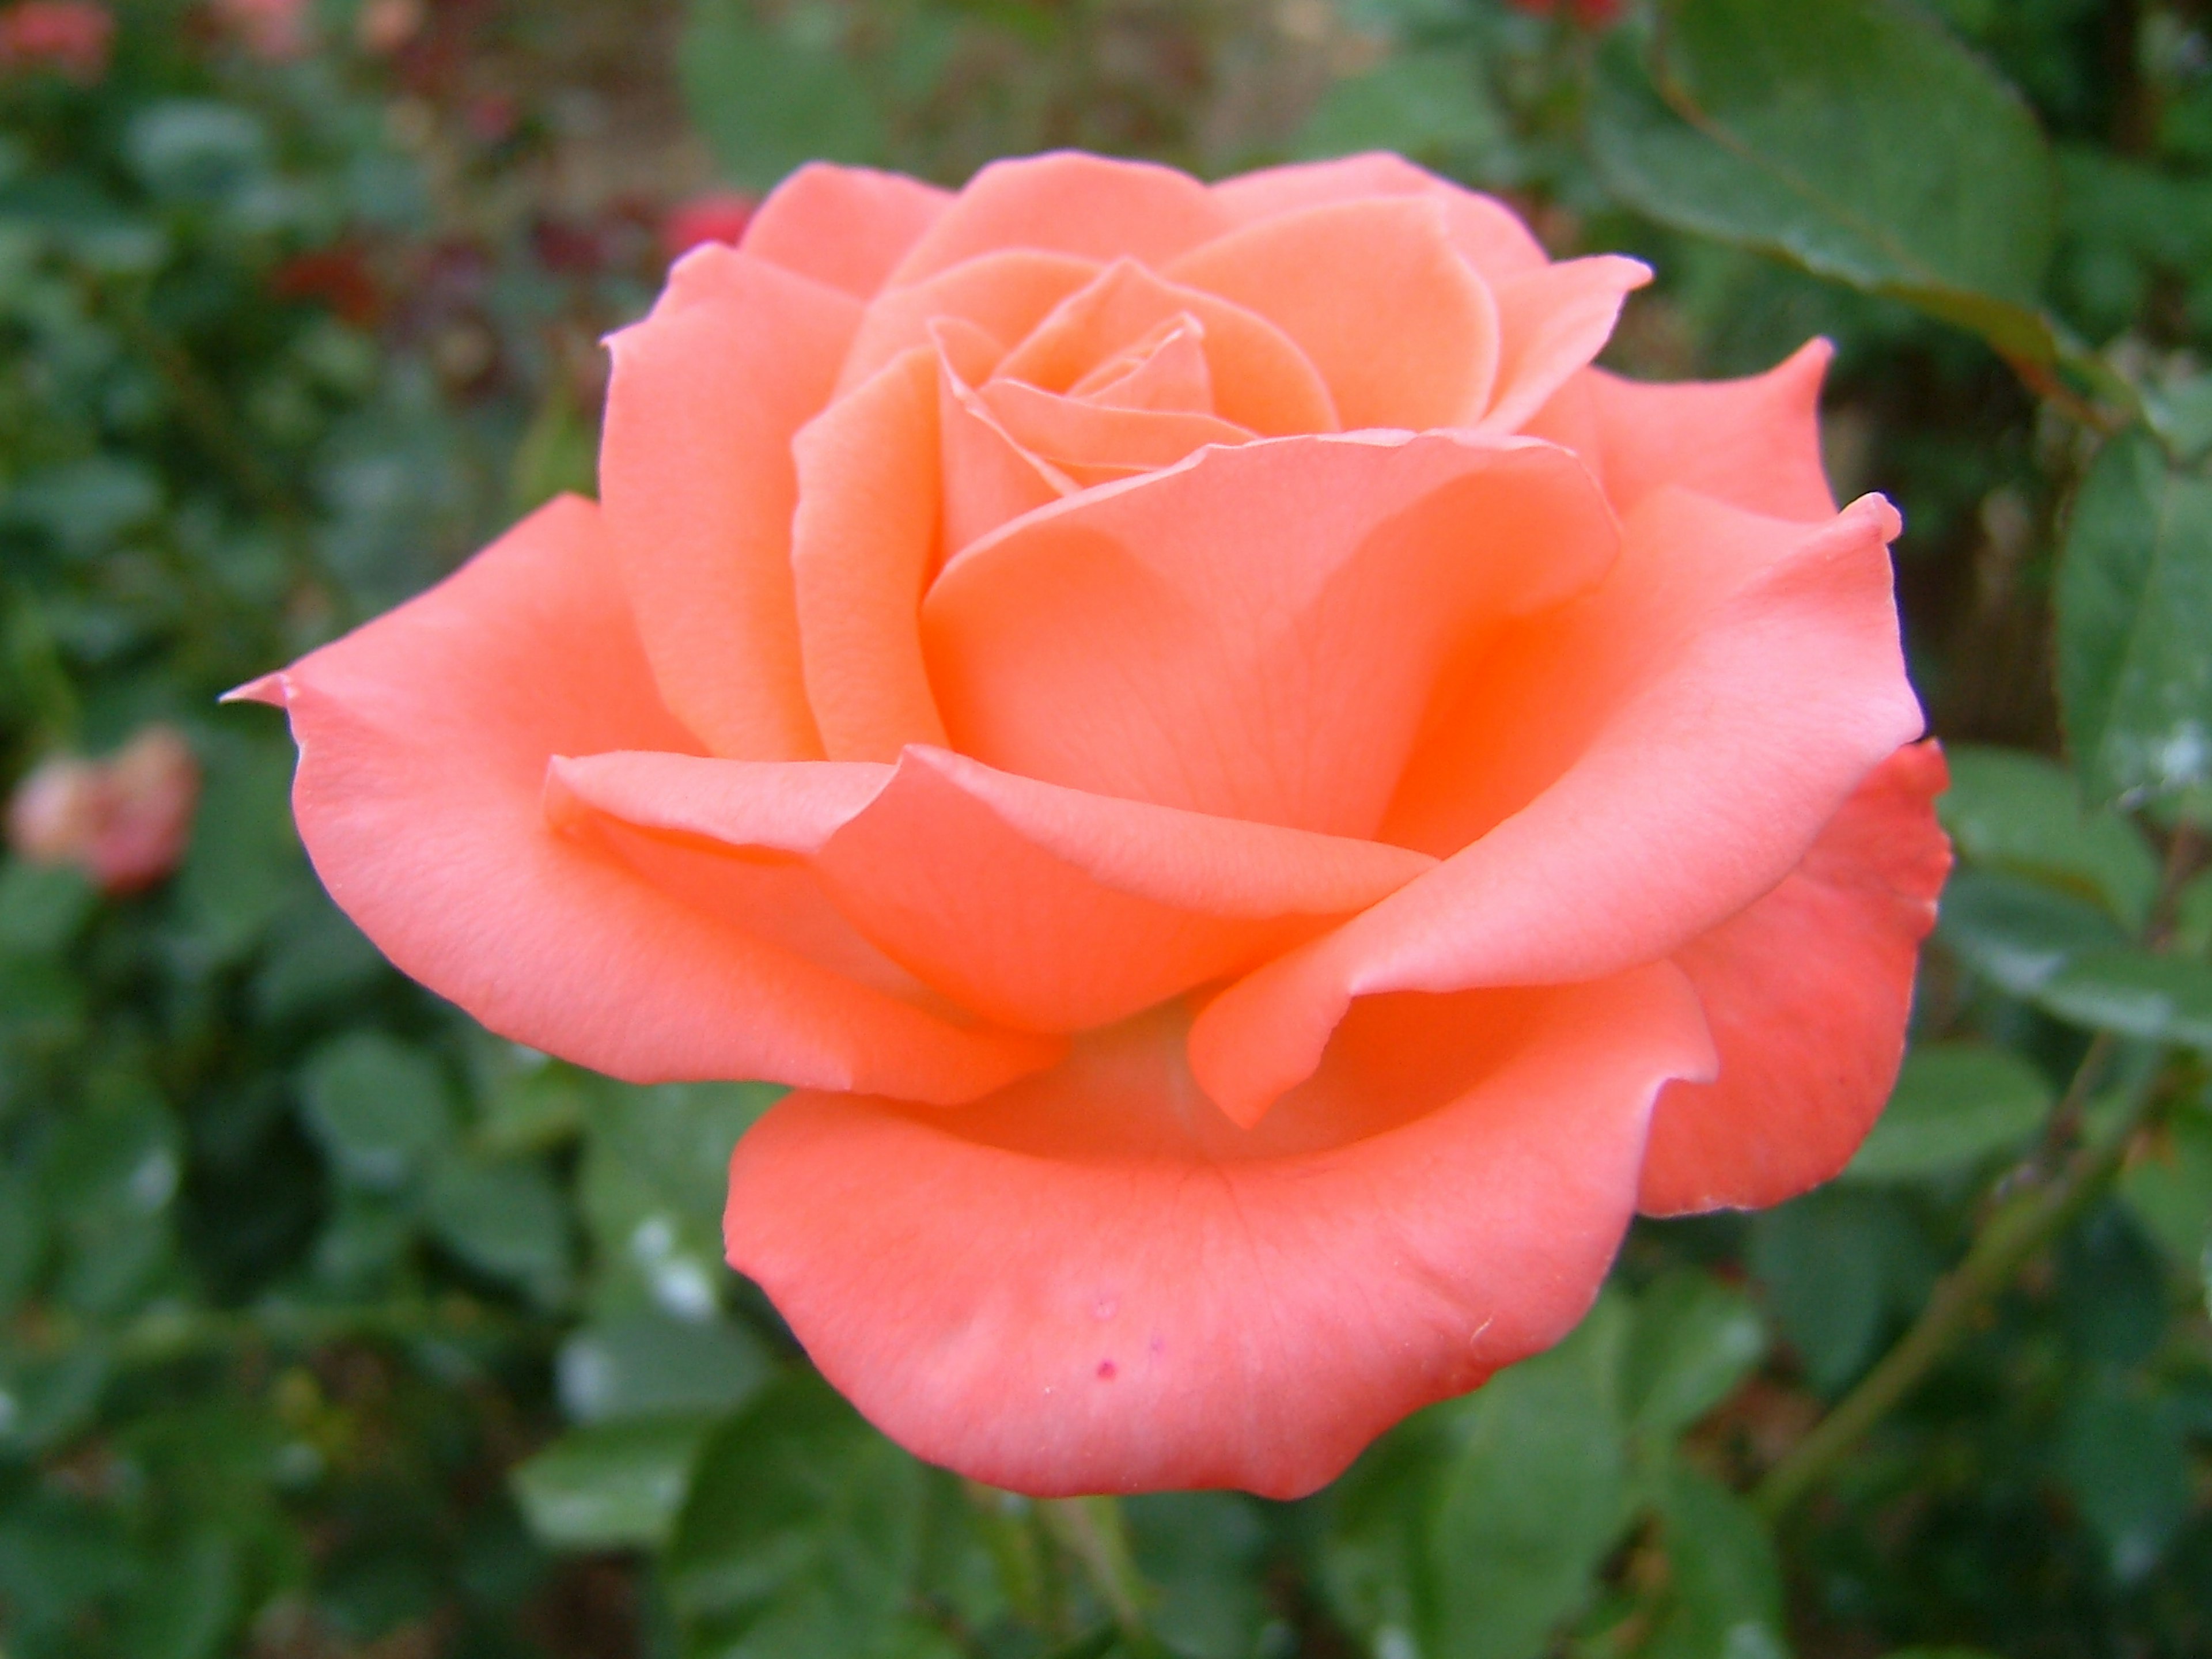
[1058,1291]
[424,737]
[1807,991]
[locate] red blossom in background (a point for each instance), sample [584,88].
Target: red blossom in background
[1590,13]
[70,37]
[274,30]
[714,216]
[124,821]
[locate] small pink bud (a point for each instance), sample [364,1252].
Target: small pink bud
[124,820]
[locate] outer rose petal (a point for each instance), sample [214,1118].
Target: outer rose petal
[1754,443]
[696,471]
[1089,1284]
[1039,907]
[844,227]
[1807,991]
[1404,333]
[1487,232]
[423,739]
[1649,760]
[1068,203]
[1551,323]
[863,547]
[1193,637]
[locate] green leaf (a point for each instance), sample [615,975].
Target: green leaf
[244,866]
[2128,1469]
[1824,1261]
[2135,609]
[1724,1592]
[640,1363]
[1506,1570]
[767,103]
[2168,1186]
[801,1535]
[1373,1568]
[1955,1104]
[1854,137]
[2158,998]
[2018,934]
[612,1486]
[42,907]
[1694,1339]
[506,1219]
[2019,811]
[1429,105]
[378,1107]
[1202,1552]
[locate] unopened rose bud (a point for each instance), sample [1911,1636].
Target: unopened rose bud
[124,820]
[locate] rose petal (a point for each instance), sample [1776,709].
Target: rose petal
[843,227]
[1401,327]
[1489,235]
[424,738]
[1552,322]
[1193,637]
[1080,1286]
[1806,991]
[1068,203]
[1092,443]
[986,478]
[1625,775]
[1004,294]
[1261,378]
[863,547]
[1166,369]
[1754,443]
[696,472]
[1041,907]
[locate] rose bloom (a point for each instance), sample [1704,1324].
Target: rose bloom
[124,820]
[1265,806]
[70,37]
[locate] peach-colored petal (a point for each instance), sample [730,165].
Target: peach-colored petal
[424,738]
[1806,991]
[696,471]
[1485,231]
[844,227]
[1089,1284]
[1067,202]
[1754,443]
[1194,637]
[1627,774]
[863,546]
[1399,324]
[1260,377]
[986,478]
[1003,294]
[1092,443]
[1165,370]
[1552,322]
[1035,906]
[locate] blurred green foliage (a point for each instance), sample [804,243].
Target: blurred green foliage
[331,1325]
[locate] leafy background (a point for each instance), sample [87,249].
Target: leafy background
[330,1326]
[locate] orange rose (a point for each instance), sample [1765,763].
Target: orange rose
[1264,805]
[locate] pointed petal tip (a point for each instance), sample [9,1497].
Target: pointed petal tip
[275,690]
